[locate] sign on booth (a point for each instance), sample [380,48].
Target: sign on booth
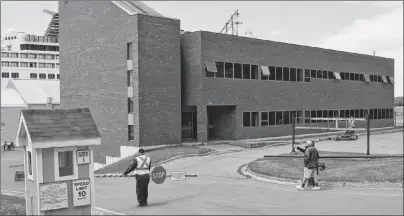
[81,192]
[83,157]
[53,196]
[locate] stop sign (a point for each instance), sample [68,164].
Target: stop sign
[159,175]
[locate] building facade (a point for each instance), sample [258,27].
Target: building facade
[147,83]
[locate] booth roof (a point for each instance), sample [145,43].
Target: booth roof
[55,125]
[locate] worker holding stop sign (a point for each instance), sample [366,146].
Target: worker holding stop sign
[141,164]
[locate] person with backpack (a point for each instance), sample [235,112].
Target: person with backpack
[311,157]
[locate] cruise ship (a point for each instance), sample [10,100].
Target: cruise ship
[27,56]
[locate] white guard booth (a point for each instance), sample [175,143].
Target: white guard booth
[58,160]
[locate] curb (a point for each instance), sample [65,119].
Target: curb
[245,171]
[102,175]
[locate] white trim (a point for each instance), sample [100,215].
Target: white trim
[68,143]
[129,64]
[56,164]
[26,180]
[38,175]
[91,174]
[29,149]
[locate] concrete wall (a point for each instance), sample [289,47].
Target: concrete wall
[10,117]
[260,95]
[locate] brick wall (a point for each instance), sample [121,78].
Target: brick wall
[260,95]
[93,67]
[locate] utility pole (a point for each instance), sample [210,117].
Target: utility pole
[368,133]
[293,133]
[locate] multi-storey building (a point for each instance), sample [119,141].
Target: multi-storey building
[25,56]
[148,83]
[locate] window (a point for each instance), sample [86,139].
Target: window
[313,74]
[129,51]
[271,73]
[383,113]
[15,75]
[4,55]
[5,75]
[220,69]
[372,78]
[319,74]
[58,76]
[42,76]
[246,71]
[278,73]
[24,64]
[254,71]
[264,119]
[361,113]
[342,75]
[29,161]
[325,75]
[307,117]
[51,76]
[131,132]
[379,78]
[371,114]
[130,78]
[210,69]
[237,71]
[313,115]
[356,113]
[299,117]
[351,76]
[286,74]
[357,77]
[391,79]
[250,119]
[4,64]
[331,75]
[325,114]
[130,105]
[229,70]
[320,115]
[330,113]
[57,65]
[299,74]
[271,117]
[286,117]
[33,65]
[65,163]
[293,75]
[384,78]
[264,72]
[48,65]
[291,117]
[279,118]
[33,75]
[361,77]
[337,76]
[306,75]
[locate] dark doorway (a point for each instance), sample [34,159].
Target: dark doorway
[221,122]
[189,126]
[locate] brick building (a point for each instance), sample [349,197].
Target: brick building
[148,83]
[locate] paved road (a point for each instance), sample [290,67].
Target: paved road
[220,190]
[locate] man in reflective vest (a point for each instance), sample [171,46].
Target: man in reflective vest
[141,164]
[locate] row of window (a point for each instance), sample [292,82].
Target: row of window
[31,75]
[29,56]
[248,71]
[35,38]
[10,37]
[39,47]
[255,119]
[29,64]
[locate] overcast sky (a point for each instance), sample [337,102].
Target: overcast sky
[355,26]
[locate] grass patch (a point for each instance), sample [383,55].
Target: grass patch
[156,156]
[337,170]
[11,205]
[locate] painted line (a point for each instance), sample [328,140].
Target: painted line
[108,211]
[22,195]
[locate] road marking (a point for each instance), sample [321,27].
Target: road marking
[108,211]
[22,194]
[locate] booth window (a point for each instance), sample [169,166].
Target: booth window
[65,164]
[29,162]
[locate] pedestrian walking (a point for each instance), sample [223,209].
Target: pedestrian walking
[142,165]
[310,182]
[311,158]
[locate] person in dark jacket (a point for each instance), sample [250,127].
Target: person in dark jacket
[311,179]
[142,165]
[311,157]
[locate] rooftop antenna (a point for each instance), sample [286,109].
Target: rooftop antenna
[232,24]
